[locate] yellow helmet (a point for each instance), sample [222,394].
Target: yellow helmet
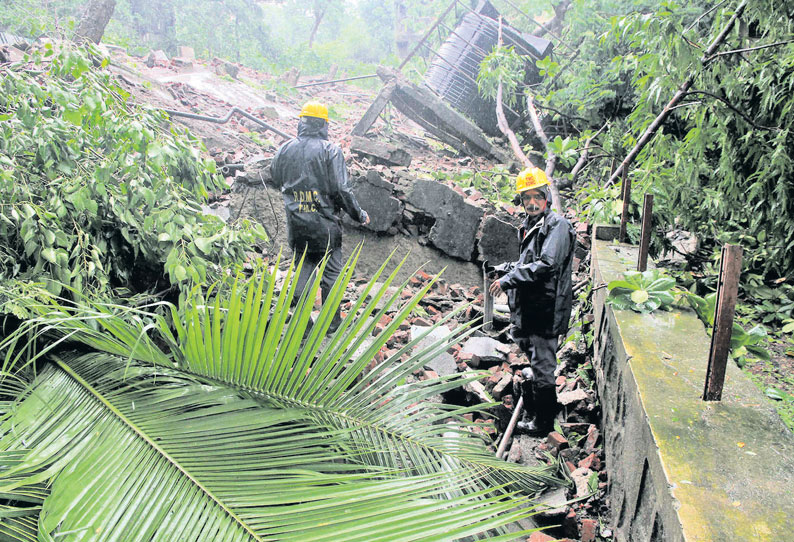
[315,109]
[530,178]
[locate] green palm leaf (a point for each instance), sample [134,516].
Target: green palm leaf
[142,453]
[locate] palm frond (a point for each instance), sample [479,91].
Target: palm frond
[143,453]
[245,334]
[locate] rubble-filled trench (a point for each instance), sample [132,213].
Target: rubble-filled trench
[435,226]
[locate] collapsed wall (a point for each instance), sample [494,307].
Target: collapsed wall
[434,225]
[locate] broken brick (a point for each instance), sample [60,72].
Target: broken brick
[588,530]
[540,537]
[557,441]
[591,462]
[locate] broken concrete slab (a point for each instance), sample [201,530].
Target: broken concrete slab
[9,53]
[457,221]
[497,241]
[376,179]
[432,113]
[552,505]
[155,57]
[435,335]
[384,210]
[379,152]
[374,110]
[486,349]
[567,397]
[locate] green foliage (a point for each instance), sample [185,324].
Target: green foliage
[496,184]
[94,193]
[641,291]
[232,415]
[503,65]
[743,343]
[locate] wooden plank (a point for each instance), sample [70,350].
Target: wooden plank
[374,110]
[727,292]
[624,215]
[645,239]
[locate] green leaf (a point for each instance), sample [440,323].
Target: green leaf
[48,253]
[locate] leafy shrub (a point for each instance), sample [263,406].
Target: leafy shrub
[96,192]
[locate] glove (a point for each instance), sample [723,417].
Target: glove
[364,217]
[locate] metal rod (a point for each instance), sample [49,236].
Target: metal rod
[224,120]
[487,303]
[510,427]
[645,238]
[427,35]
[727,291]
[624,215]
[336,81]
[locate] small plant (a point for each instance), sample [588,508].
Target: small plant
[642,292]
[742,342]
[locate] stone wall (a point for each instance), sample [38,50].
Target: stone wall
[433,224]
[682,469]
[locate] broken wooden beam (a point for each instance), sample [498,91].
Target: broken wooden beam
[380,152]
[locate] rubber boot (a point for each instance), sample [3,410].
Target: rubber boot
[545,409]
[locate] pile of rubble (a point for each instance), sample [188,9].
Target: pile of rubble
[574,447]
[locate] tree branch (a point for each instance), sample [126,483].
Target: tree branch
[735,110]
[748,49]
[650,131]
[583,157]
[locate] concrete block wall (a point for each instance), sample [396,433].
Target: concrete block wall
[682,469]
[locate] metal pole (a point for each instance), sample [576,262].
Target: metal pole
[645,239]
[427,35]
[487,312]
[224,120]
[624,216]
[510,427]
[727,291]
[336,81]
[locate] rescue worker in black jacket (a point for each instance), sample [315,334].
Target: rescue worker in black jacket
[311,173]
[539,294]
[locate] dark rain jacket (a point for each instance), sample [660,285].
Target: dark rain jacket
[538,285]
[311,173]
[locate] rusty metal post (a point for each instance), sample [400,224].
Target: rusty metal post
[624,216]
[727,291]
[487,303]
[645,239]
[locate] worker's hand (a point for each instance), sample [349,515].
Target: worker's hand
[365,221]
[495,288]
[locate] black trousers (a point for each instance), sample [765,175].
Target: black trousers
[332,270]
[542,353]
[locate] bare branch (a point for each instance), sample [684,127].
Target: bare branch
[735,110]
[748,49]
